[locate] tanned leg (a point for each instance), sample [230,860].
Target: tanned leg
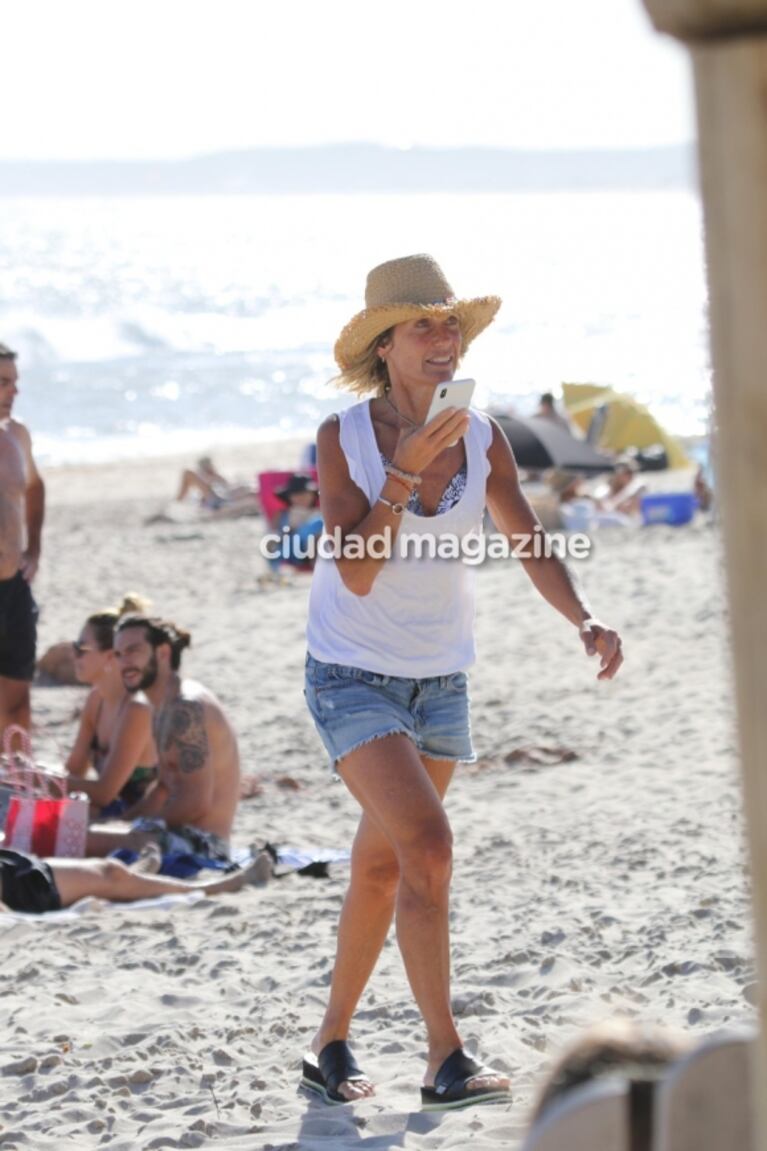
[103,839]
[401,797]
[404,824]
[14,704]
[112,880]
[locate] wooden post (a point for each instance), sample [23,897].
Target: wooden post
[728,42]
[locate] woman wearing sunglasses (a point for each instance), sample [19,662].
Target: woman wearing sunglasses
[115,735]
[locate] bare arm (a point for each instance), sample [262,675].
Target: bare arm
[184,742]
[79,759]
[513,515]
[151,803]
[127,742]
[345,507]
[35,516]
[35,505]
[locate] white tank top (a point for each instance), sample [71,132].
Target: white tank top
[418,618]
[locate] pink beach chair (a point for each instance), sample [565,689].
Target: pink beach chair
[269,483]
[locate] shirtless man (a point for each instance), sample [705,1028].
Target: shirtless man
[190,808]
[22,506]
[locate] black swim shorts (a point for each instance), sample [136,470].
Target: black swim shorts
[27,883]
[18,629]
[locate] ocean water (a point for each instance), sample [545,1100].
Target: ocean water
[149,325]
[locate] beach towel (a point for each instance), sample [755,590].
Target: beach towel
[314,862]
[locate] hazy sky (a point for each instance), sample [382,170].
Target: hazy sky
[164,78]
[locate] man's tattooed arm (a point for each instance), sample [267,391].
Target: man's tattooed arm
[183,737]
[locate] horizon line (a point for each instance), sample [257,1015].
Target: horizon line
[558,150]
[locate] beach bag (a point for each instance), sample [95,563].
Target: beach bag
[41,818]
[14,766]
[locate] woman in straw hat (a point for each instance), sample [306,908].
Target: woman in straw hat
[389,642]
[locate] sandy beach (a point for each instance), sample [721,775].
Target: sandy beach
[599,860]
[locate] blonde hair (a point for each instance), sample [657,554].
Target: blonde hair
[103,623]
[368,372]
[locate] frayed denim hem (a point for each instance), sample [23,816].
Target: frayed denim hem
[372,739]
[450,758]
[409,735]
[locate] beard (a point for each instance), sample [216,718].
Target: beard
[148,676]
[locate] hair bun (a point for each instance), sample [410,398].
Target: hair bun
[131,602]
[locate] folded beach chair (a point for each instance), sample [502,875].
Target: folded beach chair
[594,1117]
[704,1102]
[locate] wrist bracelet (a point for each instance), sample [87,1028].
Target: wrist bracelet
[397,509]
[410,477]
[405,483]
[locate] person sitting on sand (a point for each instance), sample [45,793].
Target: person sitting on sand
[625,489]
[34,885]
[115,734]
[703,490]
[214,490]
[299,523]
[190,807]
[617,504]
[547,410]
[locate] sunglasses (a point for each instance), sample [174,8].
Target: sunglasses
[80,648]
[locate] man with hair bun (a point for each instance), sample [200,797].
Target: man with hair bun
[22,507]
[190,808]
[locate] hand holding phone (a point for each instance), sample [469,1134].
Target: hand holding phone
[452,394]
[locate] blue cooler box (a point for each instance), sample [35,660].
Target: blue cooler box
[668,508]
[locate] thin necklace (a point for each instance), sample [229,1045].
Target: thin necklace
[399,414]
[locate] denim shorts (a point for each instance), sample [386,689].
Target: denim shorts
[352,707]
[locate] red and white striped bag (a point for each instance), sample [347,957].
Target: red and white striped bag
[41,818]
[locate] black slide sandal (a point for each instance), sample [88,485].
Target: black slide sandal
[450,1089]
[335,1065]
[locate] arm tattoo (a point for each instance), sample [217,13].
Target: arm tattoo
[183,735]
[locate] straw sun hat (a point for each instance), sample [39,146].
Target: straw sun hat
[404,289]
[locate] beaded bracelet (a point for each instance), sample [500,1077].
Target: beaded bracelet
[391,470]
[405,483]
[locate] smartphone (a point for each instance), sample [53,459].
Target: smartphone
[452,394]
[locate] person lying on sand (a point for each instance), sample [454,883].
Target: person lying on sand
[31,884]
[115,734]
[214,491]
[190,807]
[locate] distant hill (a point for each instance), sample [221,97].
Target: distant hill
[357,168]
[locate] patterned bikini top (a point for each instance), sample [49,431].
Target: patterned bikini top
[449,498]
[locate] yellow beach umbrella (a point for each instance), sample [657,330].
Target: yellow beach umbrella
[627,423]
